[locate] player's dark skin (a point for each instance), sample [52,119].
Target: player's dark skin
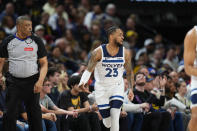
[189,57]
[113,48]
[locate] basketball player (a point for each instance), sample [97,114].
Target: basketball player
[109,62]
[190,61]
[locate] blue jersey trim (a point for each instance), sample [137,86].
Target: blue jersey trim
[112,61]
[106,54]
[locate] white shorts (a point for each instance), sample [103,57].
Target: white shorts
[193,92]
[108,97]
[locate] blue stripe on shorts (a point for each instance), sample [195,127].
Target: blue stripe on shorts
[116,104]
[194,99]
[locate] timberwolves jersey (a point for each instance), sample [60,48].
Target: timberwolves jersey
[194,83]
[109,70]
[194,78]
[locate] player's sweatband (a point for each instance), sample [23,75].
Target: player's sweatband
[85,77]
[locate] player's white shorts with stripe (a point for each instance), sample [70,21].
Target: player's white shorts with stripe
[193,91]
[109,96]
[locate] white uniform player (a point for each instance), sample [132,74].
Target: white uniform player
[190,63]
[109,85]
[194,82]
[108,63]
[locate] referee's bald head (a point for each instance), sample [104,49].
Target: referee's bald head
[20,19]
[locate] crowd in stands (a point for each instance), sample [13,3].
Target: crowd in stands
[70,30]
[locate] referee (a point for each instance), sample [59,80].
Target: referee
[24,79]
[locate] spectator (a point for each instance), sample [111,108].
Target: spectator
[62,86]
[71,40]
[60,27]
[85,42]
[39,31]
[49,7]
[21,126]
[158,39]
[182,91]
[156,60]
[8,25]
[143,60]
[96,14]
[44,22]
[9,11]
[131,37]
[131,23]
[144,70]
[96,31]
[60,13]
[148,48]
[111,14]
[48,106]
[79,30]
[53,76]
[181,96]
[175,107]
[142,95]
[31,8]
[56,56]
[182,74]
[85,6]
[62,43]
[75,99]
[131,108]
[174,76]
[171,59]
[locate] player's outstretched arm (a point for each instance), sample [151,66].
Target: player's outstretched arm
[190,52]
[95,57]
[128,68]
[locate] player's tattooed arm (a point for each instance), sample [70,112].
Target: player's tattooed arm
[128,68]
[95,57]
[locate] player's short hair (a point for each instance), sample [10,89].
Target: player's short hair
[111,30]
[22,18]
[74,80]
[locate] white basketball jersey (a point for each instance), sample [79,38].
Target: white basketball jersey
[109,70]
[194,78]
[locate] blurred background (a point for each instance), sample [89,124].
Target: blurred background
[154,32]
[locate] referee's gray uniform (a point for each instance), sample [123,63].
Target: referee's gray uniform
[23,73]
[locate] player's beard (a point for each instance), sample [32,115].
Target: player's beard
[117,43]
